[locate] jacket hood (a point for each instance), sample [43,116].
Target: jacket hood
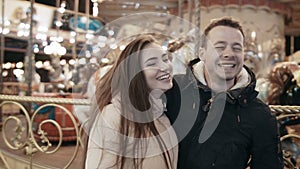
[243,78]
[243,91]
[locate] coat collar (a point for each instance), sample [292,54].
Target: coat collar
[243,91]
[243,78]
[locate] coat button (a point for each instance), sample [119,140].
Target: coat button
[245,101]
[213,164]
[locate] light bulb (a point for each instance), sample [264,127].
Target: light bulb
[62,51]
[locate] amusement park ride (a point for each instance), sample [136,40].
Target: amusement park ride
[50,49]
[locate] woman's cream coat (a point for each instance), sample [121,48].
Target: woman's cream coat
[104,141]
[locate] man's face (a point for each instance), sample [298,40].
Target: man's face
[224,54]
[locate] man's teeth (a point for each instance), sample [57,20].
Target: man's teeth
[226,65]
[167,76]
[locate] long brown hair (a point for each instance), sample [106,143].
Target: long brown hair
[126,79]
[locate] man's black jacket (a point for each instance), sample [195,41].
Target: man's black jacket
[245,130]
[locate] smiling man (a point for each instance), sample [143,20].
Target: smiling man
[231,125]
[223,57]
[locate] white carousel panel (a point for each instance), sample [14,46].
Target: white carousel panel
[111,10]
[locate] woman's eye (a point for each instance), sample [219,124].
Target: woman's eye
[165,59]
[150,64]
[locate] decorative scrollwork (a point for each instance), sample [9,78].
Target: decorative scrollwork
[287,161]
[39,140]
[44,138]
[287,156]
[43,135]
[19,129]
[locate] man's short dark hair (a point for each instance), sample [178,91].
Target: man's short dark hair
[225,21]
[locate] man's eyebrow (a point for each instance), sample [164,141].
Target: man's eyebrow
[219,42]
[223,42]
[237,44]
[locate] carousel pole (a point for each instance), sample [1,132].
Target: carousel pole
[29,54]
[2,58]
[180,14]
[292,44]
[190,12]
[198,24]
[74,50]
[87,14]
[29,59]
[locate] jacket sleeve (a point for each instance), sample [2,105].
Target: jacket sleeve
[266,152]
[100,158]
[104,141]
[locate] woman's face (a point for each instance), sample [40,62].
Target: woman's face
[156,67]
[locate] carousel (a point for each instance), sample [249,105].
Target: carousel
[53,53]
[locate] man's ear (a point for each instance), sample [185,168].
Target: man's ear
[202,54]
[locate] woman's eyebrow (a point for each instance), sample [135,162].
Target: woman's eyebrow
[164,54]
[150,59]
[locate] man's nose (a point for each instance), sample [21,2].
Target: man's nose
[227,52]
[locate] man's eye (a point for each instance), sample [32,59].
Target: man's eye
[220,47]
[237,49]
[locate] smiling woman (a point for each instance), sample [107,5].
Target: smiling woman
[129,128]
[157,67]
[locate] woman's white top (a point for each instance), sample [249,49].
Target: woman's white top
[104,142]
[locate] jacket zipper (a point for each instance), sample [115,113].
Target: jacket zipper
[238,115]
[207,107]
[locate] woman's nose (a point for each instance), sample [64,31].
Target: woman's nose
[163,66]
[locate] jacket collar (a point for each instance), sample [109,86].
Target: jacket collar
[243,91]
[247,93]
[243,78]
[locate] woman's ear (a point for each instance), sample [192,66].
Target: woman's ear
[202,54]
